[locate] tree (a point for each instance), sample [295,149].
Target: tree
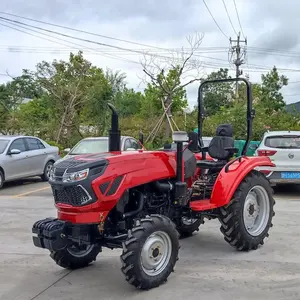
[70,85]
[217,95]
[34,117]
[116,80]
[128,102]
[270,94]
[12,95]
[4,108]
[166,76]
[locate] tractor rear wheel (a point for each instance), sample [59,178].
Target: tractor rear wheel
[150,252]
[75,257]
[246,220]
[188,226]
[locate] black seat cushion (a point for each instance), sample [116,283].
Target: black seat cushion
[217,148]
[222,140]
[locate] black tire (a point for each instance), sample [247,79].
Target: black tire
[45,176]
[66,259]
[187,230]
[1,179]
[232,219]
[131,258]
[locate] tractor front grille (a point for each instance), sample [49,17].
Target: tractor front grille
[71,195]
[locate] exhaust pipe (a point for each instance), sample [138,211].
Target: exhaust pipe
[114,140]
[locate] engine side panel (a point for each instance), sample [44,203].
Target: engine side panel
[121,173]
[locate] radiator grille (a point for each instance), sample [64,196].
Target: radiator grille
[73,195]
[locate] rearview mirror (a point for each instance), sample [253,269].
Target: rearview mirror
[67,150]
[14,151]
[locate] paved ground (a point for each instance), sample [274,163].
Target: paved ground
[208,268]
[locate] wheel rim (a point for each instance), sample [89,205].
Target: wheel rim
[1,179]
[256,210]
[80,251]
[156,253]
[48,169]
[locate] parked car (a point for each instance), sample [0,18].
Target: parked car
[173,146]
[92,145]
[25,156]
[283,148]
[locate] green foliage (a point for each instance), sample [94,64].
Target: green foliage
[217,95]
[34,117]
[167,87]
[69,101]
[270,95]
[128,102]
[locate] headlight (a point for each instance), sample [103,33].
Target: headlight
[76,176]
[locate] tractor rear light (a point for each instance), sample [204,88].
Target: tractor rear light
[266,152]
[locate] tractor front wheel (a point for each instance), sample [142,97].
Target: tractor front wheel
[150,252]
[76,257]
[246,220]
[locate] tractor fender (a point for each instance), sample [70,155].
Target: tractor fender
[227,182]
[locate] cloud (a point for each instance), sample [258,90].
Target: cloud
[165,24]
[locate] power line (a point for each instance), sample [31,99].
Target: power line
[83,31]
[81,39]
[18,49]
[215,20]
[237,14]
[70,36]
[229,18]
[103,54]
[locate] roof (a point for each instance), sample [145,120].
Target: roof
[282,132]
[12,137]
[104,137]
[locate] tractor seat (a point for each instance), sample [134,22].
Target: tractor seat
[220,148]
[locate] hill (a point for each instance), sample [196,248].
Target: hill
[293,106]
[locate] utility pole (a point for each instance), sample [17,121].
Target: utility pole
[240,54]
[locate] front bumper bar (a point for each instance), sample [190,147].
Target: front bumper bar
[52,234]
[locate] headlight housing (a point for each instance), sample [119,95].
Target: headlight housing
[75,176]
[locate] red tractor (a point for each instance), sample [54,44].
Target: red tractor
[141,201]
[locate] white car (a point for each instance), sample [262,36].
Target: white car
[283,148]
[93,145]
[25,156]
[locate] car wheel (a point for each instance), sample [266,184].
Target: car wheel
[1,179]
[47,170]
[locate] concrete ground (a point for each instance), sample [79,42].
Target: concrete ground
[208,267]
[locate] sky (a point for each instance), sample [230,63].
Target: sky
[153,32]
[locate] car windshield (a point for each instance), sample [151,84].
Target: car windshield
[3,145]
[90,146]
[283,142]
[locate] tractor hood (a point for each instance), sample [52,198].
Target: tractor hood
[76,164]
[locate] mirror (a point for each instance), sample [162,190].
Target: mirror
[131,149]
[67,150]
[14,151]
